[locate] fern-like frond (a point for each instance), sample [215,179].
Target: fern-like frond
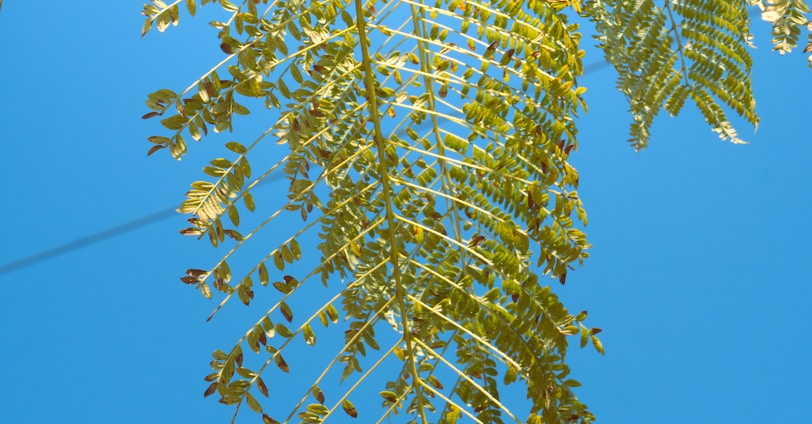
[668,51]
[426,155]
[787,17]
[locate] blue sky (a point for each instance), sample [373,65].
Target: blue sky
[699,274]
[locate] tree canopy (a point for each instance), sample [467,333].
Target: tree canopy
[427,158]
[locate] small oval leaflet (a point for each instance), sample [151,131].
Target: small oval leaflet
[286,312]
[268,420]
[309,336]
[318,394]
[252,403]
[211,389]
[349,408]
[280,362]
[262,387]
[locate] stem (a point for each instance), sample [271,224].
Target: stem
[680,48]
[369,83]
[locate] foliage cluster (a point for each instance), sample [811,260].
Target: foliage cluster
[427,157]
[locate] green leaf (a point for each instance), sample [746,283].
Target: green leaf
[236,147]
[283,331]
[318,409]
[266,419]
[332,312]
[389,396]
[309,335]
[146,26]
[323,318]
[191,7]
[233,215]
[173,122]
[286,312]
[318,394]
[263,274]
[598,345]
[252,403]
[246,373]
[349,408]
[248,199]
[278,261]
[584,337]
[295,250]
[287,255]
[282,287]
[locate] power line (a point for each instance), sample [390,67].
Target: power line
[596,66]
[86,241]
[98,237]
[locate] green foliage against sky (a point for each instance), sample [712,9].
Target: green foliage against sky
[426,156]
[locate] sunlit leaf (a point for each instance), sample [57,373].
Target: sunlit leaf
[252,403]
[262,387]
[280,362]
[349,408]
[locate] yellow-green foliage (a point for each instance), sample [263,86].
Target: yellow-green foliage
[425,149]
[668,51]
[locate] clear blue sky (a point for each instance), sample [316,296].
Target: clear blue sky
[699,275]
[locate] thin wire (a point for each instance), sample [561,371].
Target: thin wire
[596,66]
[86,241]
[99,237]
[135,224]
